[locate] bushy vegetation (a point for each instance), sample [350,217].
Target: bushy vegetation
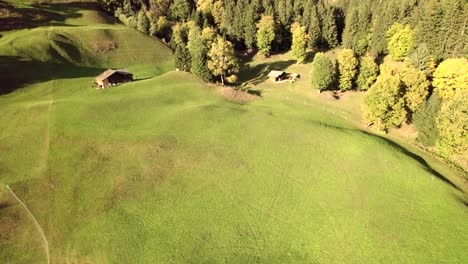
[322,72]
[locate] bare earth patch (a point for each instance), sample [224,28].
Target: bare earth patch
[238,95]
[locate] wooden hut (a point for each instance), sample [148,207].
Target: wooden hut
[276,76]
[112,77]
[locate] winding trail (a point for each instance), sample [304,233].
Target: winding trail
[39,228]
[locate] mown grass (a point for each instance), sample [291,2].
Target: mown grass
[164,170]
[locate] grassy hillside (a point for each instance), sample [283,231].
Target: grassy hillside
[164,170]
[87,42]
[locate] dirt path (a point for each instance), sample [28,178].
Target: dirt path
[39,228]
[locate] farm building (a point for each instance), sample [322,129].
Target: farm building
[276,76]
[112,77]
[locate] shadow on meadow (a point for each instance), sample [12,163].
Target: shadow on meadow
[51,14]
[256,74]
[18,72]
[421,161]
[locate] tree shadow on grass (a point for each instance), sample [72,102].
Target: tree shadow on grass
[14,18]
[17,72]
[421,161]
[258,73]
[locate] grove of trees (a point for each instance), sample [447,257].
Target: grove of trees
[423,79]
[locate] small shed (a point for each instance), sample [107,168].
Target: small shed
[112,77]
[276,76]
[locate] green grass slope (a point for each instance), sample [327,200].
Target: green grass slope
[160,171]
[86,40]
[164,170]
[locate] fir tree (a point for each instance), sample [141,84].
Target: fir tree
[425,118]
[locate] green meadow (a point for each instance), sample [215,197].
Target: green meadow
[166,170]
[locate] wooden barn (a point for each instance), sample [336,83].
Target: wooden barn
[276,76]
[112,77]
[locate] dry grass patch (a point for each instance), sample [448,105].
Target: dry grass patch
[238,96]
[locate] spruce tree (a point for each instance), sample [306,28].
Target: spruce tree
[425,119]
[422,60]
[198,49]
[182,58]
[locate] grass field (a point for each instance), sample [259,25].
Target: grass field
[164,170]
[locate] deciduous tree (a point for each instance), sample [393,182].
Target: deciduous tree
[401,43]
[265,34]
[223,61]
[450,76]
[299,42]
[322,72]
[416,87]
[368,71]
[347,66]
[384,105]
[452,124]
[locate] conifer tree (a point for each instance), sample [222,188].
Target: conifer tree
[329,28]
[422,60]
[142,21]
[425,117]
[182,58]
[198,49]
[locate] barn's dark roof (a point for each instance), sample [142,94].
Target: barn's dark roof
[109,72]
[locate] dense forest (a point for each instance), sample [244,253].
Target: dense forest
[409,55]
